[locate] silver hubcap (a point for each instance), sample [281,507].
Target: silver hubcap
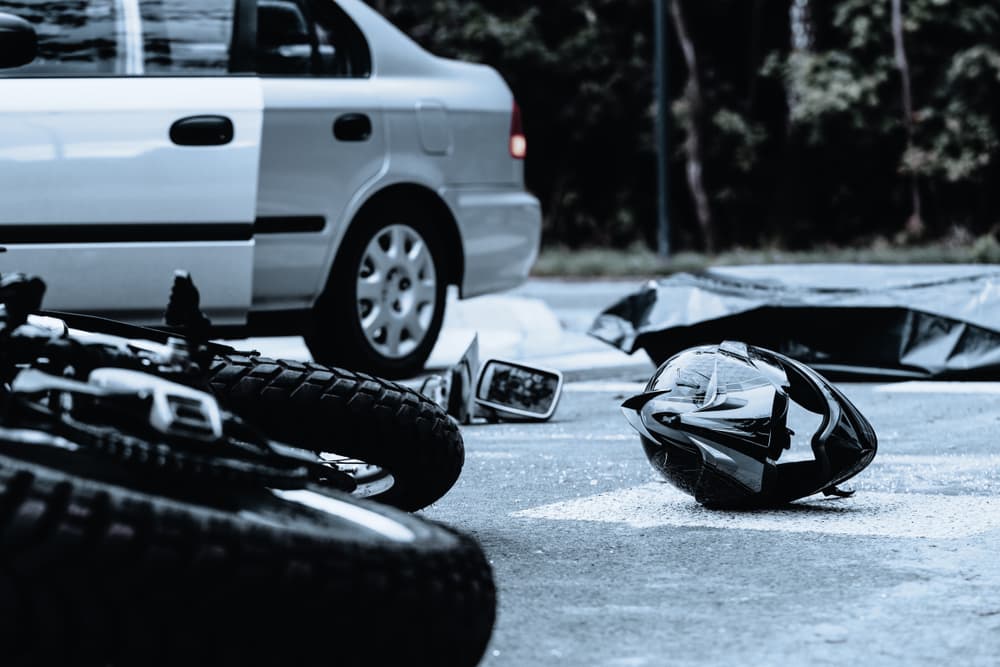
[397,291]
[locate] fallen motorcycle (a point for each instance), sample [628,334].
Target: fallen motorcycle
[400,446]
[140,523]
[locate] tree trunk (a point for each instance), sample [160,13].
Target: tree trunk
[915,223]
[794,200]
[803,38]
[694,142]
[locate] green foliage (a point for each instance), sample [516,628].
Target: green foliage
[802,147]
[833,87]
[959,139]
[739,137]
[845,116]
[637,261]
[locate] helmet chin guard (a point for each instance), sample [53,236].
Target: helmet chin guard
[713,421]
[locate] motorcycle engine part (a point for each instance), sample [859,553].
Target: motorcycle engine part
[176,409]
[402,447]
[157,428]
[713,422]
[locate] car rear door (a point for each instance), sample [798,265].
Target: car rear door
[128,149]
[323,141]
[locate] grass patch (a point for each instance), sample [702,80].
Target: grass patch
[640,261]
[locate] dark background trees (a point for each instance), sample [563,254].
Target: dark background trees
[804,136]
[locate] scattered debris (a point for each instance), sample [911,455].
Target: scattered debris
[849,322]
[495,390]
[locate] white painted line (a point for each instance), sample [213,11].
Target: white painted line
[868,514]
[935,387]
[982,461]
[590,360]
[506,436]
[595,386]
[489,455]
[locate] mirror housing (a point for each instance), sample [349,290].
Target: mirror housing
[496,390]
[461,378]
[18,41]
[518,391]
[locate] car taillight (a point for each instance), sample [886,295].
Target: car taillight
[518,143]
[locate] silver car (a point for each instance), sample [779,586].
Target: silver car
[315,170]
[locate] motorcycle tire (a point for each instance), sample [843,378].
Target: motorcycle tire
[104,568]
[330,409]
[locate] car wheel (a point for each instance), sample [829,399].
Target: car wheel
[382,309]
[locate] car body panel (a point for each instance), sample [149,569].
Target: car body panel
[83,138]
[501,235]
[134,278]
[306,171]
[95,152]
[88,163]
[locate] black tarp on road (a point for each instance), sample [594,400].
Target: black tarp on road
[848,321]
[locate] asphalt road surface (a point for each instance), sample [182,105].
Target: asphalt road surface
[599,563]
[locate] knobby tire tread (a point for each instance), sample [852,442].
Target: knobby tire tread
[331,409]
[93,573]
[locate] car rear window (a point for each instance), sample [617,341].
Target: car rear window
[309,38]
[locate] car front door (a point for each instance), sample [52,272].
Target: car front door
[323,140]
[129,149]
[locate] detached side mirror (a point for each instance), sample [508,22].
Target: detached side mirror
[518,391]
[18,41]
[496,390]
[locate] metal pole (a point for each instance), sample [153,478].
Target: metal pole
[661,30]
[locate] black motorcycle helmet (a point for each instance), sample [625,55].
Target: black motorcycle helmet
[713,422]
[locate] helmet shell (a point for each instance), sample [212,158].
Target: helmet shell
[713,421]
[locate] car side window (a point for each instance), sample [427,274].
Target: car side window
[126,37]
[74,38]
[309,38]
[186,37]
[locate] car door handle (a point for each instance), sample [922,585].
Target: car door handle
[202,131]
[352,127]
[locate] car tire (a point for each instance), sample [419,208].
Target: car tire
[382,309]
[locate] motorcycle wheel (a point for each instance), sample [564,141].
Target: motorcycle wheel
[332,410]
[99,566]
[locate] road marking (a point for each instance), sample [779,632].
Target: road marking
[911,387]
[935,387]
[504,436]
[959,461]
[872,514]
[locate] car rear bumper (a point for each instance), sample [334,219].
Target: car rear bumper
[501,234]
